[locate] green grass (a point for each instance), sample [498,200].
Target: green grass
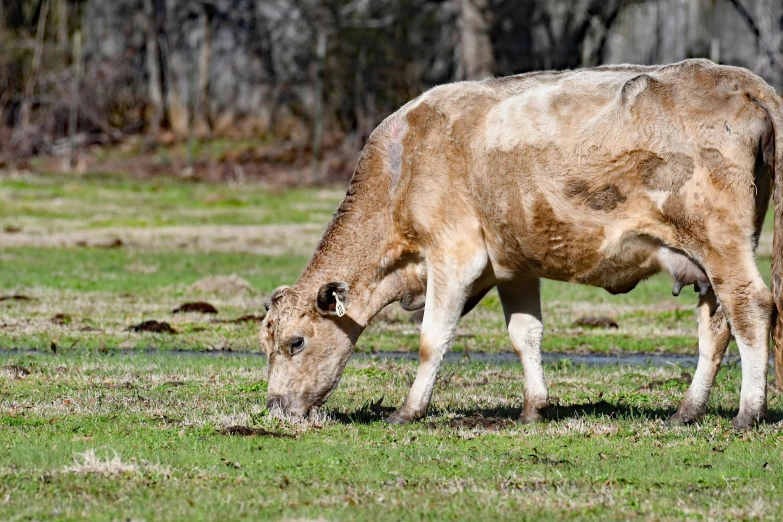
[97,201]
[603,453]
[117,425]
[137,271]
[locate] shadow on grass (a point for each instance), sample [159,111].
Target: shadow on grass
[375,412]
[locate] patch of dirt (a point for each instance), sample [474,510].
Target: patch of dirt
[61,319]
[11,229]
[16,371]
[279,239]
[114,243]
[200,307]
[109,243]
[596,321]
[16,297]
[246,431]
[153,326]
[226,285]
[89,329]
[479,421]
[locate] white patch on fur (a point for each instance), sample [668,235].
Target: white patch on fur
[526,110]
[395,130]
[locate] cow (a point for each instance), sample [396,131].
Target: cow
[601,176]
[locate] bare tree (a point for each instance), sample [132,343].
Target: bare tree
[24,112]
[154,81]
[475,56]
[202,115]
[764,28]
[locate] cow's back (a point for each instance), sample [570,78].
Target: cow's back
[583,175]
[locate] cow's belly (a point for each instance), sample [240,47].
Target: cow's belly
[616,263]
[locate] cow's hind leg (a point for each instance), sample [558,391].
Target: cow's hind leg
[522,308]
[747,303]
[449,280]
[714,337]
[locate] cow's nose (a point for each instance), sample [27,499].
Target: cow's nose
[288,404]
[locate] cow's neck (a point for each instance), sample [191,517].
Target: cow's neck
[358,242]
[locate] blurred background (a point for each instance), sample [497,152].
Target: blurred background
[287,91]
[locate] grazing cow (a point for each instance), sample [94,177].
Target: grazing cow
[600,176]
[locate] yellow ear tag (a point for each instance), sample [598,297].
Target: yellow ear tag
[339,307]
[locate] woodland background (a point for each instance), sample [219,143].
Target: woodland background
[288,90]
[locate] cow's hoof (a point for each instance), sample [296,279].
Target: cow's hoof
[681,419]
[746,421]
[686,415]
[532,415]
[398,417]
[533,410]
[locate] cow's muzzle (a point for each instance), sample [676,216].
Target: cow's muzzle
[287,404]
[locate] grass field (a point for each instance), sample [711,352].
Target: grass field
[166,426]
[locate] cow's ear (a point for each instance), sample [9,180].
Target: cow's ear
[332,298]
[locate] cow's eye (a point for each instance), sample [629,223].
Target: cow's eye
[297,344]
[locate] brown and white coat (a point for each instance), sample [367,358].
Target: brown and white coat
[599,176]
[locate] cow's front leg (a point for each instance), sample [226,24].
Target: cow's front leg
[714,337]
[522,308]
[449,281]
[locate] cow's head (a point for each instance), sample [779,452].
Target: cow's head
[308,338]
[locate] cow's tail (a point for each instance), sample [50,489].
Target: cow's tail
[773,105]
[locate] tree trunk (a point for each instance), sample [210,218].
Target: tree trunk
[318,109]
[203,120]
[24,111]
[62,22]
[73,114]
[475,54]
[153,67]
